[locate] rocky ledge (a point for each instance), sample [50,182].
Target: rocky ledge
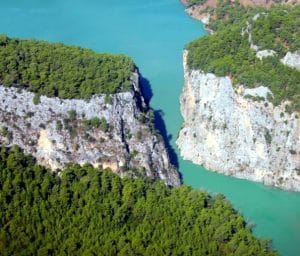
[237,131]
[113,132]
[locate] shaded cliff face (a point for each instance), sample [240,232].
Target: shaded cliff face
[228,131]
[110,131]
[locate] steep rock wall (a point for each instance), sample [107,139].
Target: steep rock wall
[227,131]
[124,142]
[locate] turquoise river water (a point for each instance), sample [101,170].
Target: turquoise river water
[154,33]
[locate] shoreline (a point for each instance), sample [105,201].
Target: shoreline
[198,13]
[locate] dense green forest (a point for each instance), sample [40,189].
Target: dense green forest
[53,69]
[228,52]
[90,212]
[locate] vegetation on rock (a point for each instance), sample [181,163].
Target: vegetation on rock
[228,51]
[193,2]
[53,69]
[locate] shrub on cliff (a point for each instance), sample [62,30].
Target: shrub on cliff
[193,2]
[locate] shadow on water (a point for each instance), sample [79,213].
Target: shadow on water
[146,89]
[161,127]
[159,122]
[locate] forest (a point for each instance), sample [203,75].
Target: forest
[228,52]
[87,211]
[56,70]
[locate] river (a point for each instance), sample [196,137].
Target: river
[154,33]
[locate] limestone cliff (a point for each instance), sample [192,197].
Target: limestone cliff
[110,131]
[237,131]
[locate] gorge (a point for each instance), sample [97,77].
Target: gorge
[158,54]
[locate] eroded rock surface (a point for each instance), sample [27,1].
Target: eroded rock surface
[113,132]
[237,131]
[292,59]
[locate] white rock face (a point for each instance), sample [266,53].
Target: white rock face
[265,53]
[205,19]
[128,144]
[292,60]
[260,91]
[229,133]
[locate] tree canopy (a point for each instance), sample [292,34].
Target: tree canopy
[53,69]
[228,52]
[86,211]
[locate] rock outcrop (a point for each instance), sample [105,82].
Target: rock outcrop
[237,131]
[109,131]
[292,59]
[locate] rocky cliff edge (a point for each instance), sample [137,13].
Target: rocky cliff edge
[107,131]
[237,131]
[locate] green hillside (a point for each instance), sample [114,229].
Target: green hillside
[53,69]
[92,212]
[228,52]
